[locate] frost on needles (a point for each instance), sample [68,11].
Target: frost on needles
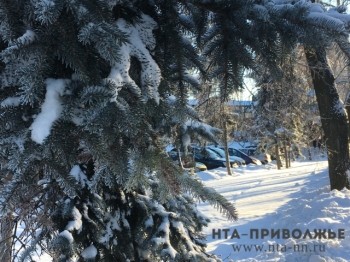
[85,119]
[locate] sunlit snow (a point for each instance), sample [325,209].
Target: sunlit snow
[267,198]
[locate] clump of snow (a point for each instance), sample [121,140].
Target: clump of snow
[145,27]
[280,131]
[311,93]
[27,38]
[149,222]
[165,228]
[140,41]
[50,110]
[186,138]
[317,17]
[76,223]
[19,141]
[89,252]
[111,225]
[317,8]
[171,99]
[79,175]
[11,101]
[66,234]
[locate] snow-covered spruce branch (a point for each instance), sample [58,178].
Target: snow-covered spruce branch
[26,39]
[198,190]
[162,235]
[165,228]
[140,41]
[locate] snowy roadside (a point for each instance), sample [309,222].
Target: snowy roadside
[294,201]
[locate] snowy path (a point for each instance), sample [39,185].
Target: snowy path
[256,190]
[271,198]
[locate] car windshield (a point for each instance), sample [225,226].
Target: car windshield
[240,152]
[207,153]
[218,151]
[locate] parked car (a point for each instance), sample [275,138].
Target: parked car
[210,158]
[200,167]
[240,161]
[248,159]
[249,150]
[188,161]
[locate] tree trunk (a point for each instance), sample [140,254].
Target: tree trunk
[347,108]
[6,235]
[290,156]
[285,154]
[180,159]
[333,117]
[227,156]
[278,157]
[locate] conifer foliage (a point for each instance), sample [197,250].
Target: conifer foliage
[90,92]
[88,95]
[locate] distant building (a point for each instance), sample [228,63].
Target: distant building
[244,108]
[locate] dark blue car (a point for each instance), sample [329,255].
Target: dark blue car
[247,159]
[210,158]
[203,155]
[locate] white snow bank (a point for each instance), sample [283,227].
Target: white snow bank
[296,199]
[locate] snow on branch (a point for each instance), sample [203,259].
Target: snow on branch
[140,41]
[11,102]
[79,176]
[67,235]
[89,252]
[27,38]
[112,224]
[46,11]
[323,19]
[50,110]
[76,223]
[339,13]
[260,12]
[334,19]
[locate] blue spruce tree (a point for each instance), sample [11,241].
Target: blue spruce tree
[90,93]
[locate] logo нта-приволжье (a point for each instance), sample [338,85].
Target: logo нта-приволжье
[279,233]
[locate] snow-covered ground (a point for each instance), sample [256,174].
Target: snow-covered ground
[286,206]
[276,203]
